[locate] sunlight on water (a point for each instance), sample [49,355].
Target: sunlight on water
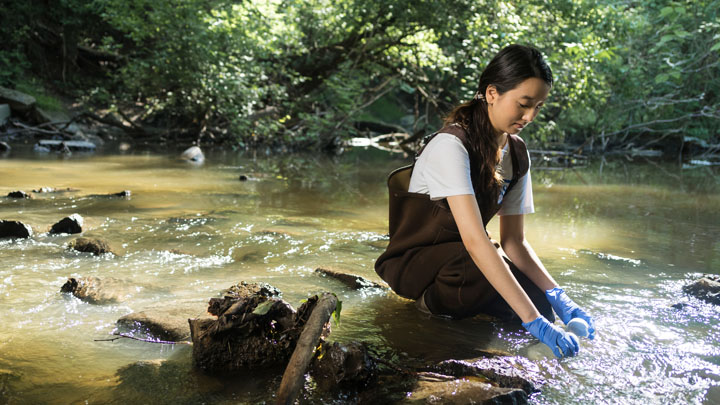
[623,248]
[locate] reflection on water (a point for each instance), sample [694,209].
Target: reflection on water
[621,237]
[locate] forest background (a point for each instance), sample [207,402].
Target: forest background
[309,74]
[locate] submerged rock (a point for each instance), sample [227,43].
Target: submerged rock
[14,229]
[343,366]
[351,280]
[253,329]
[492,380]
[503,371]
[71,224]
[448,390]
[94,246]
[168,325]
[164,381]
[18,194]
[707,288]
[6,376]
[94,290]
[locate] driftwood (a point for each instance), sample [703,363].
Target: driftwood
[293,377]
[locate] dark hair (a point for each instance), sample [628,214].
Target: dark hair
[510,67]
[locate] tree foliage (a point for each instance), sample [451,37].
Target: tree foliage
[304,72]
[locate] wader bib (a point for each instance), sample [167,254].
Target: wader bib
[426,254]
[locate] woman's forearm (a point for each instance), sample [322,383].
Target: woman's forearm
[496,271]
[523,256]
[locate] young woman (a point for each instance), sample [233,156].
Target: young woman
[476,166]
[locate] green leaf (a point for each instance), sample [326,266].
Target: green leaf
[666,11]
[715,47]
[263,308]
[661,78]
[666,38]
[336,313]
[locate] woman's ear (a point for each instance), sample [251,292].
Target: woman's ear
[491,93]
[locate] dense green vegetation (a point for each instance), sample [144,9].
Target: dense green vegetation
[309,73]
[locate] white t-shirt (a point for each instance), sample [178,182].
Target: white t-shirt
[443,170]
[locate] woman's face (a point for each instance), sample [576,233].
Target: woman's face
[513,110]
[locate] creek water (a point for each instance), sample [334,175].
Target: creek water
[621,236]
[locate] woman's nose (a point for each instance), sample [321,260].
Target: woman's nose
[530,114]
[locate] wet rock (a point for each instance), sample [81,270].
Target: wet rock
[120,194]
[123,194]
[442,389]
[707,288]
[71,224]
[4,147]
[19,195]
[14,229]
[505,372]
[18,101]
[47,190]
[168,325]
[253,329]
[94,246]
[193,154]
[44,190]
[351,280]
[94,290]
[343,367]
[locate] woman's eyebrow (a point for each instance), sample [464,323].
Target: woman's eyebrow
[531,99]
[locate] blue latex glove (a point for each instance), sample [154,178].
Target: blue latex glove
[558,340]
[566,309]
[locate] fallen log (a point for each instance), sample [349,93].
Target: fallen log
[293,377]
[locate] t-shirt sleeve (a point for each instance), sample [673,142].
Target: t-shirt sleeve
[445,169]
[519,200]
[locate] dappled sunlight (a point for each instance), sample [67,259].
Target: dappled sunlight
[188,232]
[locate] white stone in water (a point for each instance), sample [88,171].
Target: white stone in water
[578,326]
[193,154]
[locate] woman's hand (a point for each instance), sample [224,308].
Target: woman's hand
[567,309]
[559,341]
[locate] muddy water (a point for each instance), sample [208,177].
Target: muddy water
[622,237]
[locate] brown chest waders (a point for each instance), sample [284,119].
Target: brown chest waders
[426,254]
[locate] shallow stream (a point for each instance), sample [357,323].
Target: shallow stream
[621,236]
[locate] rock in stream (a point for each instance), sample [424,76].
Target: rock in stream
[69,225]
[88,245]
[706,288]
[95,290]
[14,229]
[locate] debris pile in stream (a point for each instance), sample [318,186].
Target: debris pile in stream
[253,328]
